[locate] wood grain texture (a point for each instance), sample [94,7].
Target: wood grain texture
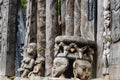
[9,11]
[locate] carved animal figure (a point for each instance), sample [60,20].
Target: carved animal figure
[28,61]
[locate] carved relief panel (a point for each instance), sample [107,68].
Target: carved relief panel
[73,54]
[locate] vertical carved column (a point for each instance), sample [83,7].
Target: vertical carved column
[51,31]
[69,19]
[63,13]
[41,7]
[30,23]
[100,26]
[87,27]
[8,10]
[41,27]
[106,38]
[77,17]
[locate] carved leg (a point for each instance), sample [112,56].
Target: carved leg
[25,73]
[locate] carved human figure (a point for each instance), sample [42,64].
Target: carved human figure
[38,68]
[107,17]
[82,69]
[106,41]
[60,65]
[28,61]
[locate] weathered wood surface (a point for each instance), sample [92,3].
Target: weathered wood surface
[114,68]
[75,39]
[115,34]
[87,27]
[52,31]
[63,13]
[69,18]
[8,12]
[41,7]
[77,17]
[100,25]
[31,24]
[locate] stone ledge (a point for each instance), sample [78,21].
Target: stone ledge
[38,78]
[46,78]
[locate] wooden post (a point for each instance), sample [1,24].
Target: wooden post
[77,17]
[63,13]
[52,30]
[8,12]
[69,19]
[31,23]
[41,7]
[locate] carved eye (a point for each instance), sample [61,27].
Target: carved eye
[58,64]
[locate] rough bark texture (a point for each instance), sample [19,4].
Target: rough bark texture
[63,13]
[51,31]
[31,24]
[41,27]
[100,26]
[69,19]
[77,17]
[9,11]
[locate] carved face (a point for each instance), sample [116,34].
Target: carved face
[107,17]
[31,50]
[82,69]
[59,66]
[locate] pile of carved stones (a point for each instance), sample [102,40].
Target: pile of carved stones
[75,49]
[32,65]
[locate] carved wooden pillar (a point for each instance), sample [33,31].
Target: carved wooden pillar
[51,32]
[8,12]
[31,20]
[87,28]
[41,27]
[69,19]
[100,26]
[77,17]
[63,13]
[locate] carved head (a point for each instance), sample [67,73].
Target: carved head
[31,50]
[73,47]
[59,66]
[107,17]
[82,69]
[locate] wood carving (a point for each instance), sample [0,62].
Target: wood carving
[82,69]
[115,30]
[66,48]
[106,37]
[38,67]
[59,66]
[29,61]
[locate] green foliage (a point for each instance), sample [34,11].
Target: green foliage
[23,4]
[59,7]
